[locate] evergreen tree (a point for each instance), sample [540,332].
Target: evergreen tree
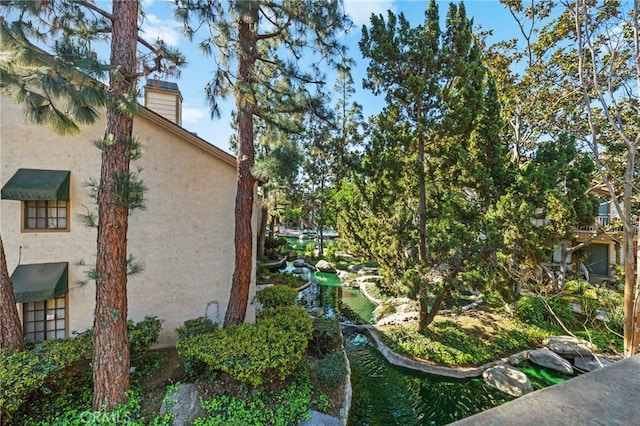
[582,79]
[259,43]
[40,80]
[428,180]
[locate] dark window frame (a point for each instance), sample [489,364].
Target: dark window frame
[45,215]
[48,322]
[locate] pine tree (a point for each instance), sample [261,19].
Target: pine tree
[252,39]
[40,80]
[428,181]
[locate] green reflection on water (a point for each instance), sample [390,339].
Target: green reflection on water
[351,298]
[388,395]
[541,377]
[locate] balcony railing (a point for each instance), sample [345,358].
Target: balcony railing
[601,221]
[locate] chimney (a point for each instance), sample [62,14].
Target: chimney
[164,98]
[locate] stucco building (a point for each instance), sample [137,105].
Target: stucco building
[184,238]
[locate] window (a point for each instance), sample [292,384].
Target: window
[45,320]
[46,214]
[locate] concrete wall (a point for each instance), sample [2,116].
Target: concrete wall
[184,238]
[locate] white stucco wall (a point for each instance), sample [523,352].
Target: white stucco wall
[184,238]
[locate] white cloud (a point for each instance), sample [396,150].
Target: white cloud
[360,10]
[154,28]
[192,115]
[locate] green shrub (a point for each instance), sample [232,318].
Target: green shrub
[196,326]
[493,299]
[274,244]
[603,339]
[615,319]
[289,406]
[326,336]
[446,342]
[23,373]
[578,287]
[276,295]
[532,310]
[322,403]
[189,332]
[309,248]
[342,265]
[254,354]
[142,336]
[331,370]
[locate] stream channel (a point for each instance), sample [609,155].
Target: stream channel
[386,395]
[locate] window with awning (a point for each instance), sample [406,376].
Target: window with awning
[36,184]
[40,281]
[45,198]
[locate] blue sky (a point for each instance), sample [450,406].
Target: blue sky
[159,22]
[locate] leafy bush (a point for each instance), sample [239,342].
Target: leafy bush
[254,354]
[196,326]
[25,372]
[331,370]
[276,295]
[289,406]
[274,244]
[321,403]
[615,319]
[309,248]
[326,336]
[142,336]
[578,287]
[603,339]
[532,310]
[342,265]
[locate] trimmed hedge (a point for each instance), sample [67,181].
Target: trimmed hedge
[22,373]
[254,354]
[276,295]
[196,326]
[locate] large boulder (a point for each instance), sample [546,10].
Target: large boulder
[518,358]
[184,404]
[324,266]
[569,346]
[591,362]
[508,380]
[549,359]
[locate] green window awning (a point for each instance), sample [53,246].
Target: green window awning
[40,281]
[35,184]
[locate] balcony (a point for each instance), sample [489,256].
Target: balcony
[612,222]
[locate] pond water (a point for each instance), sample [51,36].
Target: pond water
[386,395]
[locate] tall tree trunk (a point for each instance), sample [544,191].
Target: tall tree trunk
[245,103]
[630,343]
[262,236]
[11,337]
[437,304]
[110,339]
[321,221]
[562,276]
